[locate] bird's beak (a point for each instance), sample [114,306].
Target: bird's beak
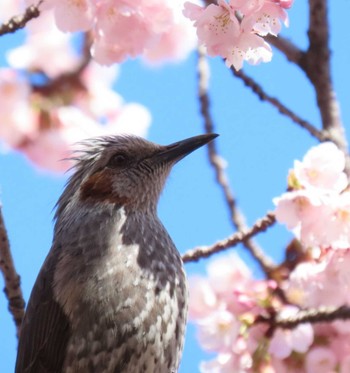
[178,150]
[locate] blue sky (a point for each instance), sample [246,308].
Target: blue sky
[258,144]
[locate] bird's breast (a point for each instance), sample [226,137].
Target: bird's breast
[126,301]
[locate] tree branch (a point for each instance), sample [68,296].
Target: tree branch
[18,22]
[259,91]
[313,316]
[287,47]
[260,225]
[316,64]
[217,163]
[12,280]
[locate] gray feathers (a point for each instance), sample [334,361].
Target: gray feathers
[111,296]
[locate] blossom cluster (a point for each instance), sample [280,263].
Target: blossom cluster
[317,204]
[235,29]
[229,304]
[43,119]
[153,29]
[226,304]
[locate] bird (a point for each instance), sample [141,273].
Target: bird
[111,295]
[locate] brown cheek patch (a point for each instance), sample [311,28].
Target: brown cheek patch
[98,187]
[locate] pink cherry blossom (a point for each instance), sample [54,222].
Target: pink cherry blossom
[18,121]
[9,9]
[338,225]
[227,363]
[73,15]
[218,331]
[216,26]
[247,47]
[154,29]
[234,29]
[203,300]
[267,19]
[320,360]
[52,146]
[298,339]
[286,4]
[317,209]
[345,365]
[227,270]
[112,43]
[307,214]
[68,126]
[99,99]
[322,169]
[322,283]
[177,41]
[47,49]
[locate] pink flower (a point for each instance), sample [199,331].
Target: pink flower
[267,19]
[46,49]
[227,270]
[112,43]
[317,219]
[234,29]
[51,147]
[248,47]
[216,25]
[217,291]
[345,365]
[286,4]
[323,283]
[226,363]
[219,331]
[177,41]
[305,213]
[18,121]
[9,9]
[70,125]
[237,362]
[298,339]
[337,227]
[320,360]
[73,15]
[322,169]
[99,99]
[203,300]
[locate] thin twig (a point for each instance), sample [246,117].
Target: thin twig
[12,280]
[216,162]
[240,237]
[259,91]
[314,315]
[18,22]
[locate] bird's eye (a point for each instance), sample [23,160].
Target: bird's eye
[117,160]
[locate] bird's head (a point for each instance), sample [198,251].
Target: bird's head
[125,170]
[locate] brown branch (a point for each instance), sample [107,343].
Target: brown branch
[18,22]
[261,225]
[287,47]
[314,315]
[316,65]
[216,162]
[12,280]
[259,91]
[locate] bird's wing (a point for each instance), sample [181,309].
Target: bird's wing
[45,329]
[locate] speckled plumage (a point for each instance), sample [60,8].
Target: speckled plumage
[111,295]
